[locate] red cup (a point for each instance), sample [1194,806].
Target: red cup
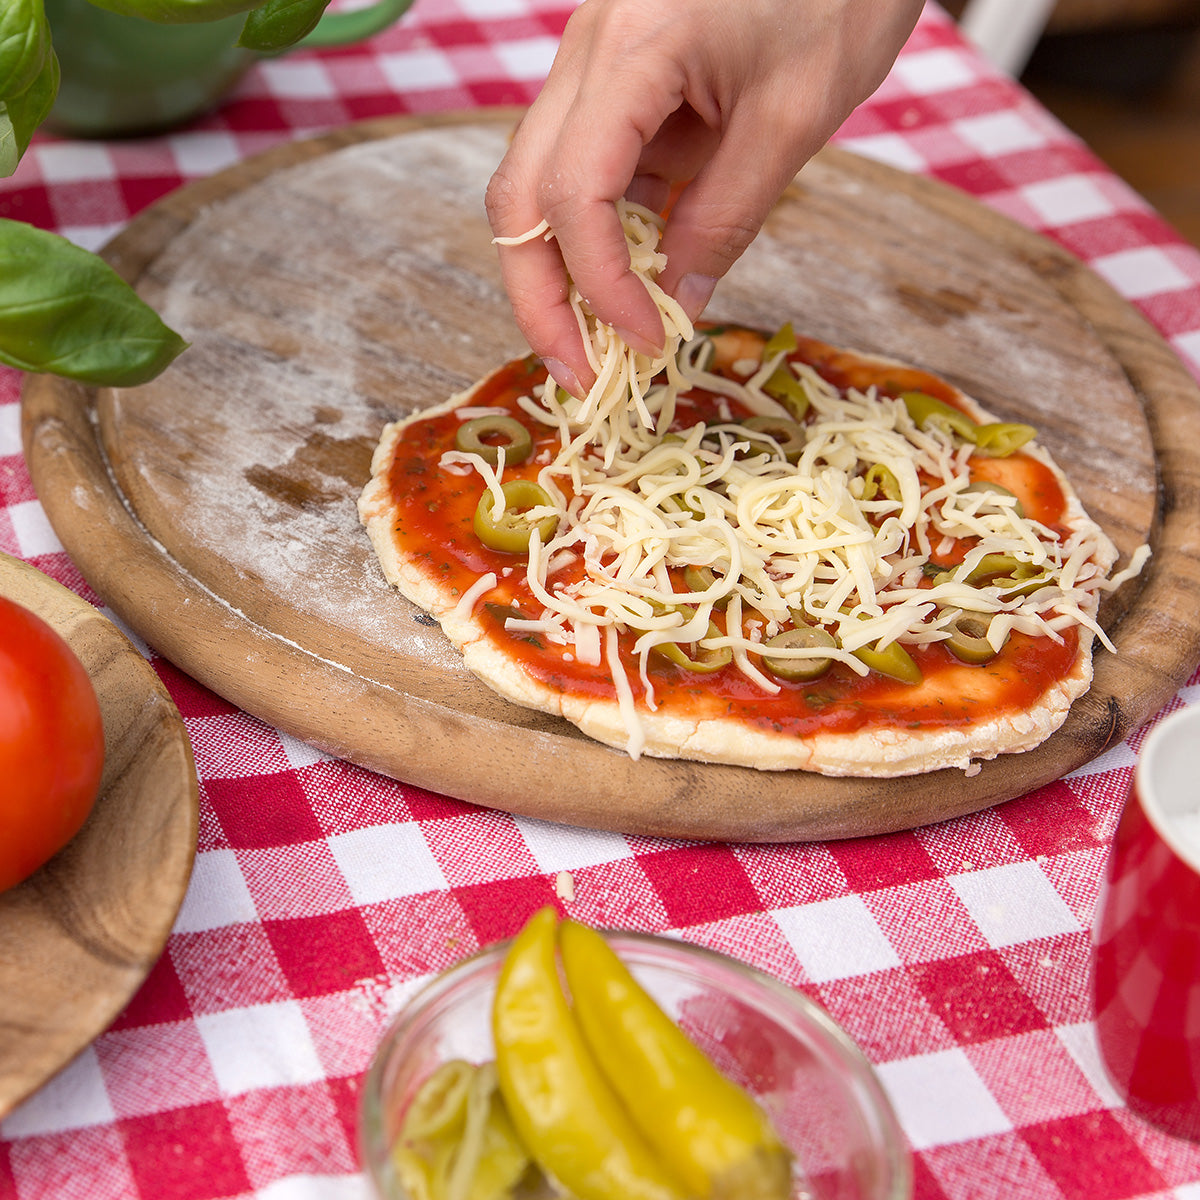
[1146,940]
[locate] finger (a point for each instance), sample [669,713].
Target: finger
[721,211]
[597,157]
[536,281]
[581,209]
[533,271]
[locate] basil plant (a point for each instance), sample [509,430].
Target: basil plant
[63,310]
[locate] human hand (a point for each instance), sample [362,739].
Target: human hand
[645,96]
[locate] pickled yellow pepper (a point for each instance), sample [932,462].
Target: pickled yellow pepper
[563,1108]
[457,1141]
[706,1129]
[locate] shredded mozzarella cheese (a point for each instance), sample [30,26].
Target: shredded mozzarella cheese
[788,541]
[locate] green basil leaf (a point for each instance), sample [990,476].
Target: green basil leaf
[277,24]
[176,12]
[65,311]
[21,115]
[24,45]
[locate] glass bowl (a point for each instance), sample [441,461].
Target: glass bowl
[821,1092]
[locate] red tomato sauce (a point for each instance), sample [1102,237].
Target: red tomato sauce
[846,370]
[434,521]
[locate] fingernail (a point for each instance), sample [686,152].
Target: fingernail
[637,342]
[694,292]
[563,376]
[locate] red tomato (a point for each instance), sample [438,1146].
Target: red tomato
[51,743]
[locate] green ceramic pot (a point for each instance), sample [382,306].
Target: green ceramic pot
[123,75]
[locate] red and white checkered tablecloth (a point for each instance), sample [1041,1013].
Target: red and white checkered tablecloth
[322,895]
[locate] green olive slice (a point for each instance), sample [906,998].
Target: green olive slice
[802,637]
[984,486]
[782,341]
[988,567]
[881,481]
[999,439]
[968,638]
[700,579]
[1025,580]
[894,661]
[992,565]
[925,409]
[512,531]
[486,435]
[788,434]
[702,660]
[782,385]
[1004,571]
[677,503]
[1009,573]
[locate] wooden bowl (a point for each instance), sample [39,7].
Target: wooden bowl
[79,936]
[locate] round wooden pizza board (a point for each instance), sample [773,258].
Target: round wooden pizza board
[78,937]
[332,285]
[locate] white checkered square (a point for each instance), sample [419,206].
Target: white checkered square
[10,430]
[32,530]
[92,236]
[75,1098]
[1188,346]
[999,133]
[564,847]
[930,71]
[1063,201]
[204,153]
[834,939]
[75,162]
[217,895]
[382,862]
[417,71]
[529,59]
[262,1047]
[889,148]
[316,1187]
[1111,760]
[300,754]
[489,10]
[1145,271]
[297,79]
[1014,903]
[939,1099]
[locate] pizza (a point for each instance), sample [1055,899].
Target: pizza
[757,549]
